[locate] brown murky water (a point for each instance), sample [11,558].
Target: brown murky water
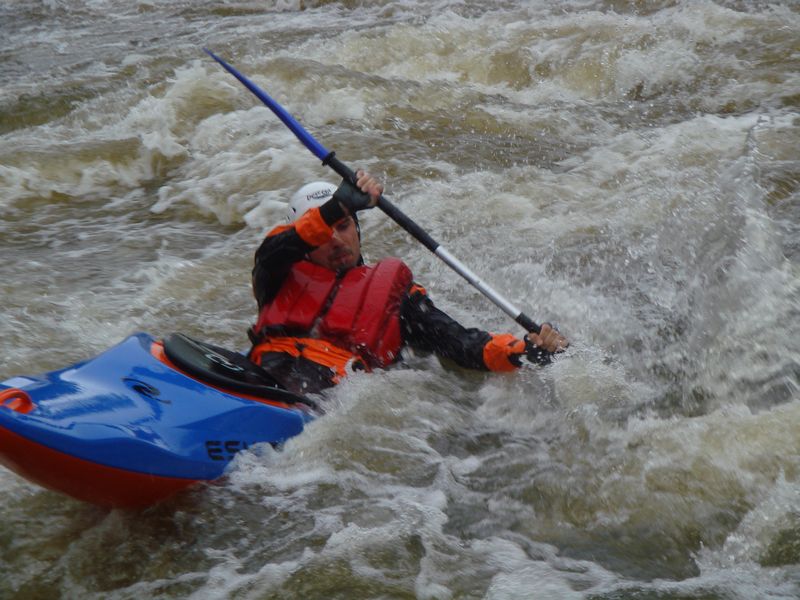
[627,170]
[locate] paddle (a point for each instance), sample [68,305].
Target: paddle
[329,159]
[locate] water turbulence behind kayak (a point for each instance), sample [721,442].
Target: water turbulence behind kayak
[143,420]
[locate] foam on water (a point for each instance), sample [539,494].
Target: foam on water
[628,173]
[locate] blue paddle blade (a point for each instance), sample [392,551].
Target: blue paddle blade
[306,138]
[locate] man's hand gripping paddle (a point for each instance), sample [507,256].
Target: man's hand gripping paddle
[329,159]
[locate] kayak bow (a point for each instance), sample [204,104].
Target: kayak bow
[142,420]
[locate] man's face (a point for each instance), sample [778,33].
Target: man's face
[344,249]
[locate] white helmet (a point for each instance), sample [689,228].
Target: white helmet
[307,197]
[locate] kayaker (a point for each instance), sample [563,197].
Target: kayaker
[324,313]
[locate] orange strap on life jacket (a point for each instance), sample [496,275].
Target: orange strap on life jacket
[416,289]
[315,350]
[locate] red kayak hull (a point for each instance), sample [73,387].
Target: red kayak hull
[83,479]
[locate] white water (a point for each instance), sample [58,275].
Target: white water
[629,172]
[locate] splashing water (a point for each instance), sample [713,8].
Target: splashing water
[626,170]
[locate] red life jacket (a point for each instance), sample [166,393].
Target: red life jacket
[359,312]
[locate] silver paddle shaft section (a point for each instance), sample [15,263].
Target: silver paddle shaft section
[483,287]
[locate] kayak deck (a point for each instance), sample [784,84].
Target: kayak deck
[140,421]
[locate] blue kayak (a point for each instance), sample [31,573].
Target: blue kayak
[142,420]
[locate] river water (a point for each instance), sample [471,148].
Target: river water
[627,170]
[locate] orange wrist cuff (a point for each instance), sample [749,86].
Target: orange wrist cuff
[313,229]
[497,350]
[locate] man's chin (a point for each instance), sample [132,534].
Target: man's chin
[342,262]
